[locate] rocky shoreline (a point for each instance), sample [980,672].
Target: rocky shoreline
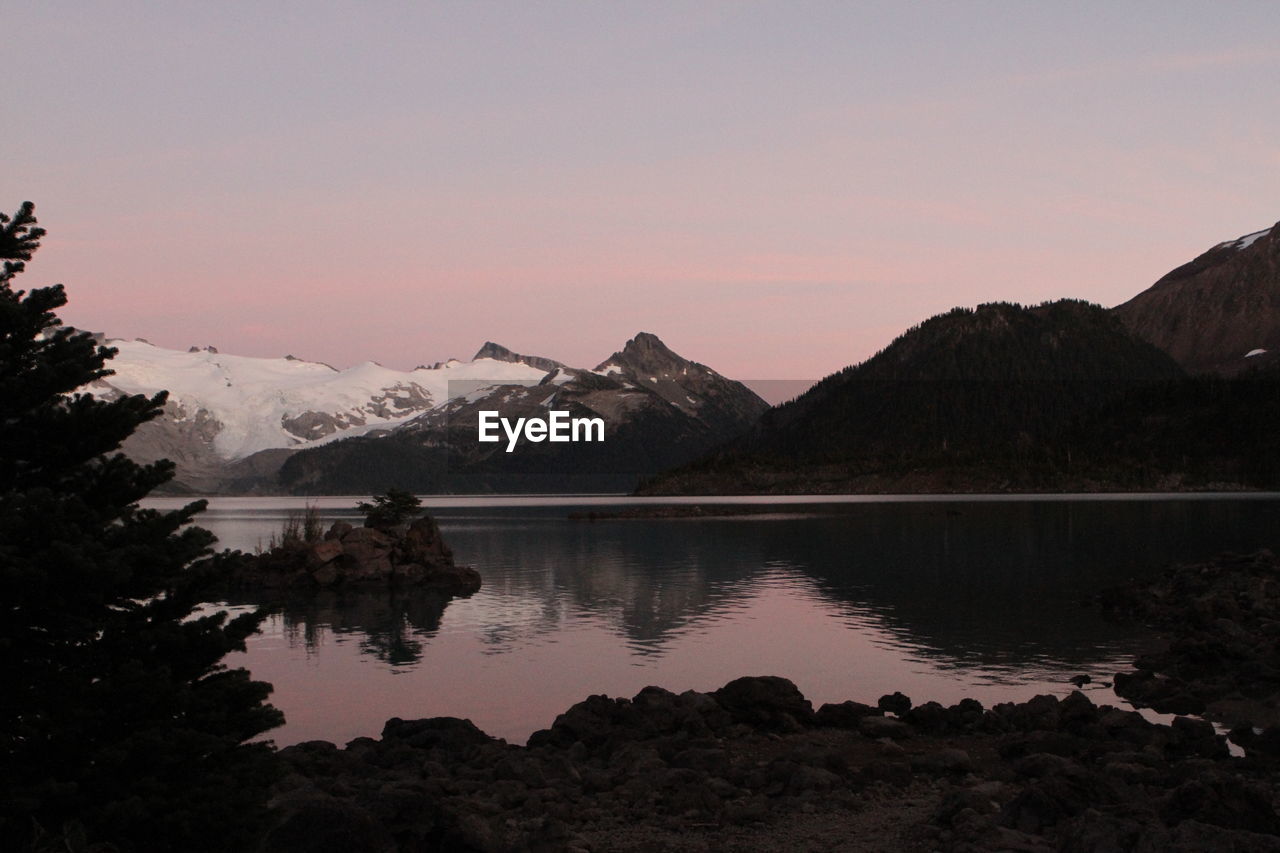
[1221,655]
[754,767]
[834,480]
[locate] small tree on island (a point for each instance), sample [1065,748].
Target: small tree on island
[391,509]
[118,723]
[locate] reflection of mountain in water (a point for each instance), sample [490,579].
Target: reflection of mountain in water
[996,585]
[1002,584]
[962,583]
[390,625]
[648,580]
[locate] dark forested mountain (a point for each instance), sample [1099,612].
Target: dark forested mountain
[1218,313]
[1056,396]
[658,408]
[967,379]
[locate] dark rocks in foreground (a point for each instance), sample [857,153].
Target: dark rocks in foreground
[753,766]
[1221,656]
[347,556]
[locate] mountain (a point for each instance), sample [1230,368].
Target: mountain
[1002,397]
[722,405]
[233,424]
[231,420]
[1218,313]
[497,352]
[658,410]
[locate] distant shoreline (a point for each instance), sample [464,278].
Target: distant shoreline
[617,499]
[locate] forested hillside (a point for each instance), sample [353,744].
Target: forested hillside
[1004,397]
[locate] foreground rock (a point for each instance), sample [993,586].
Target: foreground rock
[346,556]
[1221,655]
[753,766]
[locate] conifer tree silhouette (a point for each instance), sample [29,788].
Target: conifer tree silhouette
[118,723]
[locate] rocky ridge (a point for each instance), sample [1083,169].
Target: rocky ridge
[498,352]
[1211,313]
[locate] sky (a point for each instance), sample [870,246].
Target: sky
[776,189]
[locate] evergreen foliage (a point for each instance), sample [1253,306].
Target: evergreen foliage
[118,724]
[391,509]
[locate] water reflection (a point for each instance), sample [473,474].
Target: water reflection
[850,601]
[993,583]
[390,626]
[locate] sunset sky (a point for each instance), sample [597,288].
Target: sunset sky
[775,189]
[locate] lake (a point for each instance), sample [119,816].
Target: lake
[850,598]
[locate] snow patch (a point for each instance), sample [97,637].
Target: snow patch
[252,397]
[1246,241]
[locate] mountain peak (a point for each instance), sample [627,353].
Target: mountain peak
[498,352]
[646,353]
[647,343]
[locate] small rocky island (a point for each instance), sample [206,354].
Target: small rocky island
[389,550]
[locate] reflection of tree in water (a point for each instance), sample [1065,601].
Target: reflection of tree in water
[393,626]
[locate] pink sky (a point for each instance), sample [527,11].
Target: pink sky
[775,189]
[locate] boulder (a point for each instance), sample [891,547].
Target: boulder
[323,552]
[423,544]
[338,530]
[446,732]
[766,702]
[366,543]
[845,715]
[895,703]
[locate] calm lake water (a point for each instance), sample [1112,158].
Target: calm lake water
[849,598]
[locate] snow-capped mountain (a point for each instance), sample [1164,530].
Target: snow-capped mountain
[230,419]
[231,422]
[658,409]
